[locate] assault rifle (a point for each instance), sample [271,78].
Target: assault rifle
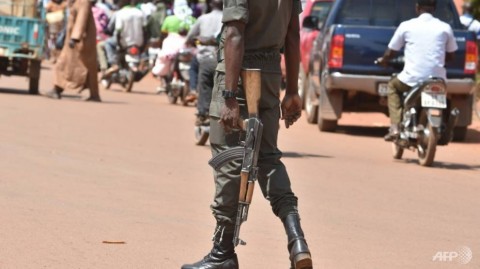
[248,151]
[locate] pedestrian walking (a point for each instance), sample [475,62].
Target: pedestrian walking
[254,34]
[76,67]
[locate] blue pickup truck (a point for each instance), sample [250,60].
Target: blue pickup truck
[22,33]
[343,76]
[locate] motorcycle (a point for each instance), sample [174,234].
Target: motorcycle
[132,68]
[177,80]
[426,122]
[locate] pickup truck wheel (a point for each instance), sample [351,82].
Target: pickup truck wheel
[325,125]
[476,103]
[459,133]
[34,74]
[302,85]
[311,110]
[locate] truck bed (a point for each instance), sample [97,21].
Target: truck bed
[19,34]
[18,8]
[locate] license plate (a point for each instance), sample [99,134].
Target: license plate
[436,100]
[382,89]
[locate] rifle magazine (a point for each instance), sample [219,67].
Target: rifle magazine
[226,156]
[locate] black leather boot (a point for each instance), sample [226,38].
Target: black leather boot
[300,256]
[222,255]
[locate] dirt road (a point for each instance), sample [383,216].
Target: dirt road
[121,185]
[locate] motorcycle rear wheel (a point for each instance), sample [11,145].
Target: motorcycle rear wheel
[201,135]
[106,83]
[184,94]
[130,81]
[427,146]
[397,151]
[172,97]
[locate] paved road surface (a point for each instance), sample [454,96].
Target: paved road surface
[75,174]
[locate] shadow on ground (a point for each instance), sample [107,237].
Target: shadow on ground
[303,155]
[444,165]
[15,91]
[119,89]
[473,135]
[371,131]
[74,97]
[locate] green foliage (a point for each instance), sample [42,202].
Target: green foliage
[476,8]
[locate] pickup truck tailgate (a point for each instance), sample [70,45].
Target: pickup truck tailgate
[364,44]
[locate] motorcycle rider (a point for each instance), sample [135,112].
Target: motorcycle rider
[106,49]
[204,32]
[181,20]
[129,30]
[429,43]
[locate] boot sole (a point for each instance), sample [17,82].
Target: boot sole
[303,261]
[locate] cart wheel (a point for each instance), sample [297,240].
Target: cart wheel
[34,74]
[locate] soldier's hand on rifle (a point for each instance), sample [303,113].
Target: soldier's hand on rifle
[291,108]
[230,115]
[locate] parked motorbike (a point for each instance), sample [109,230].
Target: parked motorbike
[427,120]
[132,68]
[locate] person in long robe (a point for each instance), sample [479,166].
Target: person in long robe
[76,67]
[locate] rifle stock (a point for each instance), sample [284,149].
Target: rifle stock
[252,79]
[248,152]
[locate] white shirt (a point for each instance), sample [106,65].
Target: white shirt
[208,26]
[129,21]
[470,22]
[148,8]
[426,40]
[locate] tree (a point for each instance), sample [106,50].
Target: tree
[476,8]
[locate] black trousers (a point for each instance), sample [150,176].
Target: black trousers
[206,75]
